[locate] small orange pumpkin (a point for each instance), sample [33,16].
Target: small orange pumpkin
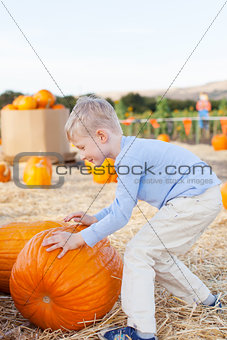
[13,237]
[163,137]
[38,171]
[219,142]
[58,106]
[45,99]
[224,194]
[9,107]
[16,100]
[26,103]
[66,293]
[105,173]
[5,172]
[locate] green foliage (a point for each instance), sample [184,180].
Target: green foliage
[8,97]
[120,109]
[110,101]
[140,104]
[68,101]
[162,108]
[215,104]
[223,105]
[175,104]
[135,100]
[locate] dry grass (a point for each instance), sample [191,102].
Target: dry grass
[175,319]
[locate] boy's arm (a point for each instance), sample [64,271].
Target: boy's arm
[119,211]
[102,213]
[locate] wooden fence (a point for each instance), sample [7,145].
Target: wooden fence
[173,127]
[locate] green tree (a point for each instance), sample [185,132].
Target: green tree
[120,109]
[150,103]
[162,108]
[68,101]
[163,111]
[110,101]
[223,105]
[176,104]
[8,97]
[215,104]
[136,101]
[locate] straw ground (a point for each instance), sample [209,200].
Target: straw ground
[176,320]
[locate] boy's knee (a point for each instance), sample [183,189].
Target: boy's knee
[140,251]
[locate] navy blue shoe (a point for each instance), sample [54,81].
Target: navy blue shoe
[217,303]
[126,333]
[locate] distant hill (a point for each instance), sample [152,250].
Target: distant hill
[216,90]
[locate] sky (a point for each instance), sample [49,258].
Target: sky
[121,45]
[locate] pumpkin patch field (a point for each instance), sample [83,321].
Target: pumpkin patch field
[78,295]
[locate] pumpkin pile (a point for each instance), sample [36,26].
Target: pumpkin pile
[43,99]
[105,173]
[66,293]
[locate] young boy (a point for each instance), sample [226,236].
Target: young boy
[169,177]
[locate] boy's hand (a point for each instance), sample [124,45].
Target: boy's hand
[80,216]
[65,240]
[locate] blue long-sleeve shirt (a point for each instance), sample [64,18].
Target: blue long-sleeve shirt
[152,171]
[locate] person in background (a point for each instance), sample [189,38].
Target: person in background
[203,106]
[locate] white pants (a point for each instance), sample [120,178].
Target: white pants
[152,254]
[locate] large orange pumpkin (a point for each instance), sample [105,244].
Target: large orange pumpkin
[58,106]
[106,173]
[9,107]
[26,103]
[163,137]
[224,194]
[5,172]
[45,99]
[219,142]
[38,171]
[66,293]
[13,237]
[17,100]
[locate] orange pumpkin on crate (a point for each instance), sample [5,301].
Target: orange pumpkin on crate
[13,237]
[9,107]
[26,103]
[58,106]
[105,173]
[38,171]
[16,100]
[163,137]
[5,172]
[45,99]
[224,194]
[67,293]
[219,142]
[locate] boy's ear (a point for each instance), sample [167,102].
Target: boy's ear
[102,135]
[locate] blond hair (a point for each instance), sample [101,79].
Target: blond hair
[90,114]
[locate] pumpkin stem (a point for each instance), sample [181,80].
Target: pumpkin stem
[48,103]
[40,164]
[6,171]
